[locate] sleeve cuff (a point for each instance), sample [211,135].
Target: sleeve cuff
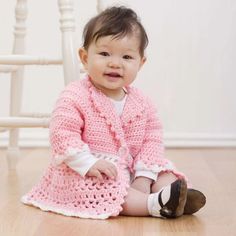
[145,173]
[81,162]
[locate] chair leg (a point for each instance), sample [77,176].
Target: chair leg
[13,152]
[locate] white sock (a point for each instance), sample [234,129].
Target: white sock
[153,203]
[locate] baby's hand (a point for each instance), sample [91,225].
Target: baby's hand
[102,167]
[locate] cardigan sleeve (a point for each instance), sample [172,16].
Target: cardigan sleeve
[66,125]
[81,162]
[151,154]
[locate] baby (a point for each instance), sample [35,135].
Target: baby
[107,148]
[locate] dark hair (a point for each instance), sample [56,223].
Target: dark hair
[115,21]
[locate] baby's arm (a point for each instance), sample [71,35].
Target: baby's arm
[146,163]
[85,163]
[102,167]
[82,161]
[66,127]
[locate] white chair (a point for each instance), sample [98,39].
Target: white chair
[15,63]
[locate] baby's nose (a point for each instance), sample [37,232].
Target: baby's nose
[114,63]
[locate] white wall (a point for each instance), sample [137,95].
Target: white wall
[190,73]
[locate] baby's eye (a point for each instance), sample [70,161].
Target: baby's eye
[105,54]
[127,57]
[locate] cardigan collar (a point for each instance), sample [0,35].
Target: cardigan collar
[133,108]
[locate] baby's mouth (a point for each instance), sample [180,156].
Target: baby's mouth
[113,74]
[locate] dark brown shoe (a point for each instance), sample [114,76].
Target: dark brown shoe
[178,195]
[195,201]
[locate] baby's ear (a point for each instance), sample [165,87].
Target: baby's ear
[143,60]
[83,56]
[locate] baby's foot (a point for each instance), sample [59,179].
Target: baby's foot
[195,201]
[170,201]
[175,206]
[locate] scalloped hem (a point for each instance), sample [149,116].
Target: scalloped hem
[65,213]
[24,199]
[168,167]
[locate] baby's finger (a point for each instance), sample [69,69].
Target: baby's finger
[98,175]
[113,170]
[108,173]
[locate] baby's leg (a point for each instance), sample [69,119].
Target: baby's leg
[142,184]
[195,199]
[169,202]
[163,179]
[135,203]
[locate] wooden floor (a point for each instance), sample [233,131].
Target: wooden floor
[211,170]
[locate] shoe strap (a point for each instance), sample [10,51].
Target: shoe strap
[160,199]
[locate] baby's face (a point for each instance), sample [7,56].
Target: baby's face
[113,63]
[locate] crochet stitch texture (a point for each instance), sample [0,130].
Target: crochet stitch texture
[85,116]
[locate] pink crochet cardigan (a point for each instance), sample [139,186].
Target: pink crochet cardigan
[85,116]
